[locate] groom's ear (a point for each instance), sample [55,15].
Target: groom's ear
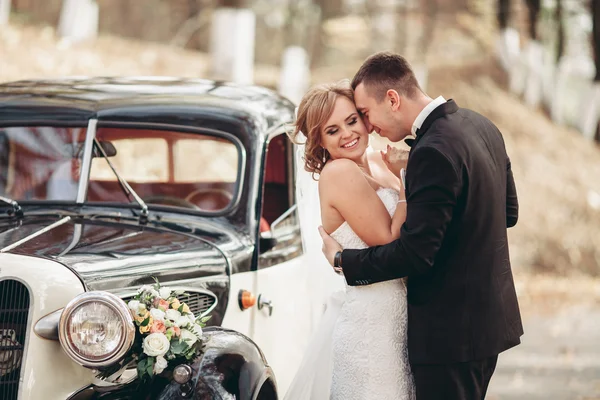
[393,99]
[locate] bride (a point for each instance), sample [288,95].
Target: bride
[359,349]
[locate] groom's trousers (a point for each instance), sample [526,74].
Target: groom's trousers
[457,381]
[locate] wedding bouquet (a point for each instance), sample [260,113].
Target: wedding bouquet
[167,332]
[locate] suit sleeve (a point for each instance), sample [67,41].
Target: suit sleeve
[512,203]
[433,186]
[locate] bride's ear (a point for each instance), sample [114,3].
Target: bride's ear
[393,99]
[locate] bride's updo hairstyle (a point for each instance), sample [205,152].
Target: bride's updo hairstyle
[315,109]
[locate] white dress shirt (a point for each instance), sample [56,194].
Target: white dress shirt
[425,113]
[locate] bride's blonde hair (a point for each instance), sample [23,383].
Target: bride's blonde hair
[314,110]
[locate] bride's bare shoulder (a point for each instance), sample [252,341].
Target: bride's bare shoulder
[335,170]
[338,177]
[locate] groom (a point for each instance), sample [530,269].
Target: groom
[462,304]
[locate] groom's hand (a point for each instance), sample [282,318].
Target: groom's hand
[330,246]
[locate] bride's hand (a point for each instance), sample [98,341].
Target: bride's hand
[395,159]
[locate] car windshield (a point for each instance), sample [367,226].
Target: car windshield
[165,168]
[40,162]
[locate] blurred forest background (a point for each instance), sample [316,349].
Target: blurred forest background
[532,66]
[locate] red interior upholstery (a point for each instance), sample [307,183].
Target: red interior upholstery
[209,196]
[276,197]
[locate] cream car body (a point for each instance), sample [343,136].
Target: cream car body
[57,287]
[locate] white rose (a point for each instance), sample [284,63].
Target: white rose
[188,336]
[192,318]
[182,321]
[156,344]
[173,315]
[145,288]
[160,364]
[133,305]
[198,331]
[165,292]
[157,314]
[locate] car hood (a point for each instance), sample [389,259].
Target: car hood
[109,254]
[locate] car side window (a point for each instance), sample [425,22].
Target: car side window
[280,238]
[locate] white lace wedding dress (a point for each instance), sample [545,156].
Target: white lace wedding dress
[359,351]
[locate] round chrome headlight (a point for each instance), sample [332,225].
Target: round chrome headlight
[96,329]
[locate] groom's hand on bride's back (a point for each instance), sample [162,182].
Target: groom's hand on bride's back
[395,159]
[330,246]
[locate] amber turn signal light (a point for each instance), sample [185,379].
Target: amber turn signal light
[246,300]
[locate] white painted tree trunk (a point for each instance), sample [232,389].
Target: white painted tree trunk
[294,79]
[549,69]
[78,20]
[591,112]
[556,111]
[4,11]
[385,28]
[422,74]
[573,77]
[535,71]
[232,45]
[518,75]
[508,48]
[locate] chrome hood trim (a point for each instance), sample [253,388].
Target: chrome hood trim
[35,234]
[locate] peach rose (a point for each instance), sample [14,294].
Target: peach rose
[146,329]
[176,331]
[140,318]
[158,327]
[163,305]
[175,304]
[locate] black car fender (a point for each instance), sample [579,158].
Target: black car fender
[232,367]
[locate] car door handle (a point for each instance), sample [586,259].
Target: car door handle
[265,302]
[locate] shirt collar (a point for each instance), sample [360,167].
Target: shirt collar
[425,113]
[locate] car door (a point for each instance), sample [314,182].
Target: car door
[283,316]
[283,319]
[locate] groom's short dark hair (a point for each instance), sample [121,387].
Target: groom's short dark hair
[383,71]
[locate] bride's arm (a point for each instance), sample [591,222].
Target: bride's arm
[343,187]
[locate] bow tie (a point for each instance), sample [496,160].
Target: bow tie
[409,142]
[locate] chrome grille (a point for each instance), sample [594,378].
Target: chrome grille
[198,302]
[14,310]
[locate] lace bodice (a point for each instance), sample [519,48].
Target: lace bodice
[346,237]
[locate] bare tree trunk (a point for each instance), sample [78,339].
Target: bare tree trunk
[596,37]
[230,3]
[431,15]
[534,10]
[330,8]
[560,43]
[503,13]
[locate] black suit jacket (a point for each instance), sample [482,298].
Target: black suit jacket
[461,197]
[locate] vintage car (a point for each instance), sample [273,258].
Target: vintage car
[107,183]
